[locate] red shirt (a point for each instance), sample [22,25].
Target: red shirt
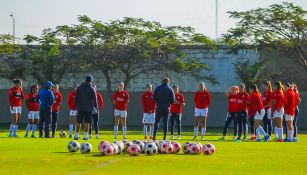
[202,99]
[242,99]
[291,102]
[71,100]
[255,104]
[148,103]
[99,100]
[16,96]
[279,100]
[232,103]
[121,100]
[177,108]
[267,97]
[296,99]
[32,102]
[57,101]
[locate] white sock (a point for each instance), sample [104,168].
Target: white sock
[276,132]
[203,132]
[195,131]
[71,127]
[145,130]
[33,129]
[76,134]
[11,129]
[258,133]
[85,134]
[290,134]
[280,133]
[261,130]
[115,130]
[28,128]
[124,130]
[15,129]
[151,128]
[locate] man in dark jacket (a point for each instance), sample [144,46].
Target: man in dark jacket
[46,100]
[86,103]
[164,97]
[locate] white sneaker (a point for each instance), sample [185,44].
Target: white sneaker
[91,136]
[115,137]
[203,138]
[97,136]
[172,137]
[178,137]
[234,138]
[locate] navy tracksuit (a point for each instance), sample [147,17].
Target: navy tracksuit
[164,97]
[46,99]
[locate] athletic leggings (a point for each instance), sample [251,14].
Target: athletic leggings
[242,123]
[231,116]
[267,123]
[96,124]
[54,121]
[175,117]
[251,123]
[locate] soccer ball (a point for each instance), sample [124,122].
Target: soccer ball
[141,145]
[121,146]
[134,150]
[185,147]
[208,149]
[86,148]
[73,146]
[116,148]
[176,147]
[160,143]
[108,150]
[166,148]
[200,146]
[127,145]
[151,148]
[63,134]
[194,148]
[101,145]
[157,143]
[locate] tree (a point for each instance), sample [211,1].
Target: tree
[281,25]
[49,58]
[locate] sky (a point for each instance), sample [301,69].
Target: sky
[32,16]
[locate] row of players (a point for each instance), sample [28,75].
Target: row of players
[241,106]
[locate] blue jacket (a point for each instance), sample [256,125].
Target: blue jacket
[46,99]
[164,96]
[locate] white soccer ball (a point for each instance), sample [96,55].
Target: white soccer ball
[86,148]
[176,147]
[185,147]
[116,148]
[63,134]
[160,143]
[108,150]
[127,145]
[101,145]
[120,145]
[208,149]
[141,145]
[151,148]
[194,148]
[73,146]
[167,148]
[134,150]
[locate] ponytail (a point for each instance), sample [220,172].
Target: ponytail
[268,84]
[279,86]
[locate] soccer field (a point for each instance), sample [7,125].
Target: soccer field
[50,156]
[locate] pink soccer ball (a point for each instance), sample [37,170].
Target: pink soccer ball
[101,145]
[134,150]
[208,149]
[108,150]
[176,147]
[167,148]
[194,148]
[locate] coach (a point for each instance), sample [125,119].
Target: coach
[164,97]
[46,100]
[86,103]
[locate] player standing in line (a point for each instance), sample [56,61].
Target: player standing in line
[257,110]
[73,110]
[289,111]
[55,108]
[16,95]
[96,116]
[298,100]
[231,93]
[243,97]
[149,107]
[33,108]
[120,100]
[278,103]
[202,100]
[267,97]
[176,111]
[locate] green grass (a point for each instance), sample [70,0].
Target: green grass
[50,156]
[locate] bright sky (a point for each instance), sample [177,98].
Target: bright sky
[32,16]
